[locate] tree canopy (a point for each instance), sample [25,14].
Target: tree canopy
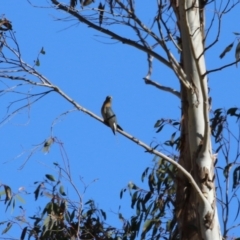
[52,73]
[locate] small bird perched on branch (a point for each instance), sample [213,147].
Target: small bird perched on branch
[108,115]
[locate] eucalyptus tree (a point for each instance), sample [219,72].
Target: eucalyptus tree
[176,37]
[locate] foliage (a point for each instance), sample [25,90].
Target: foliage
[155,217]
[61,218]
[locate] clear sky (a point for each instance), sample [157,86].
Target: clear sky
[88,66]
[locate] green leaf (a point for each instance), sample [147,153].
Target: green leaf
[121,193]
[131,185]
[172,139]
[61,190]
[147,225]
[36,192]
[9,203]
[232,111]
[160,129]
[2,193]
[144,174]
[89,202]
[48,208]
[120,216]
[67,216]
[46,223]
[227,49]
[50,177]
[20,199]
[158,123]
[154,232]
[168,224]
[217,150]
[37,62]
[134,199]
[218,110]
[143,206]
[134,225]
[42,51]
[218,134]
[1,223]
[151,182]
[147,197]
[104,214]
[227,170]
[72,215]
[8,193]
[138,207]
[23,233]
[9,225]
[138,224]
[13,205]
[149,208]
[236,176]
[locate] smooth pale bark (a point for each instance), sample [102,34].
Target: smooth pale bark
[197,220]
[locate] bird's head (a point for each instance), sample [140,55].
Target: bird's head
[108,99]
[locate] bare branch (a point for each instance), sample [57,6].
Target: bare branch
[58,119]
[219,13]
[175,65]
[170,160]
[110,33]
[46,83]
[164,88]
[220,68]
[24,106]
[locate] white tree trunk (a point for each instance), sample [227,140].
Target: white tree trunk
[198,215]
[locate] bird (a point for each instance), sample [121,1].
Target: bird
[108,115]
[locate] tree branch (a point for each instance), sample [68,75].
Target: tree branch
[110,33]
[220,68]
[164,88]
[180,74]
[44,82]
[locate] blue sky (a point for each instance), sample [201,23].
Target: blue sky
[88,66]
